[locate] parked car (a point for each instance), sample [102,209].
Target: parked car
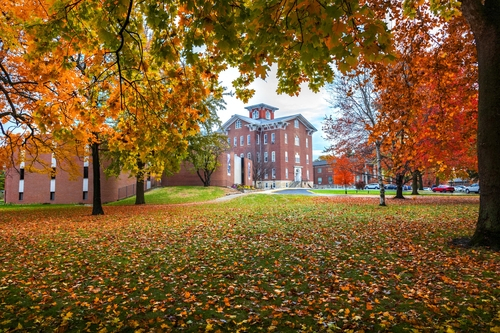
[473,188]
[443,188]
[460,188]
[373,186]
[407,188]
[390,187]
[427,189]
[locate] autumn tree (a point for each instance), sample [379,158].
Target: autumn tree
[342,171]
[354,101]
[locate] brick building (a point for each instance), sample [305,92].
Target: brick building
[280,148]
[24,187]
[323,174]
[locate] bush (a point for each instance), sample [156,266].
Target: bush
[360,185]
[241,187]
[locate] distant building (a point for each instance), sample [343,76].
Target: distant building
[280,148]
[323,174]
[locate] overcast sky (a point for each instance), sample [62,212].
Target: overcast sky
[312,106]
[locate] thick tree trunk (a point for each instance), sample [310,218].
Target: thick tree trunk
[140,199]
[379,175]
[420,182]
[399,184]
[483,17]
[414,182]
[96,169]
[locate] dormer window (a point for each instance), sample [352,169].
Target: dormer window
[268,115]
[255,114]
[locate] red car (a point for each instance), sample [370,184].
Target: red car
[443,188]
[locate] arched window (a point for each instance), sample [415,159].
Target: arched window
[268,115]
[238,124]
[255,114]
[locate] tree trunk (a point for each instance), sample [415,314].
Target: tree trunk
[379,174]
[140,199]
[414,182]
[483,19]
[399,184]
[420,182]
[96,169]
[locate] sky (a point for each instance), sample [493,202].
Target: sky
[313,106]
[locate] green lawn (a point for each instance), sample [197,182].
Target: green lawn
[256,263]
[176,195]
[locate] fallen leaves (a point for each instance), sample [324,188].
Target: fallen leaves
[300,264]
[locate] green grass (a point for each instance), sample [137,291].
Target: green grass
[176,195]
[259,262]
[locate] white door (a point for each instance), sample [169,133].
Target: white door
[298,174]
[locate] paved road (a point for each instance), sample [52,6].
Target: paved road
[298,191]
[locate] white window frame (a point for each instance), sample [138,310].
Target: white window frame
[258,139]
[255,114]
[307,159]
[235,141]
[286,173]
[273,173]
[297,158]
[273,156]
[237,124]
[268,115]
[307,142]
[297,140]
[242,140]
[286,156]
[265,138]
[273,137]
[249,139]
[266,157]
[249,156]
[296,123]
[320,180]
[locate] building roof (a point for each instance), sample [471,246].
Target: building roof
[262,123]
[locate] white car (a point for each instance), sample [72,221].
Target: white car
[473,188]
[373,186]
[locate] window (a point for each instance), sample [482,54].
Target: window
[85,172]
[307,159]
[296,123]
[238,124]
[273,156]
[248,140]
[52,196]
[228,164]
[320,180]
[258,157]
[296,140]
[286,138]
[255,114]
[242,140]
[266,176]
[286,156]
[229,141]
[286,173]
[265,156]
[319,170]
[273,173]
[85,195]
[267,185]
[330,180]
[235,142]
[297,158]
[273,137]
[307,174]
[21,196]
[268,115]
[258,139]
[265,138]
[242,155]
[307,142]
[249,156]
